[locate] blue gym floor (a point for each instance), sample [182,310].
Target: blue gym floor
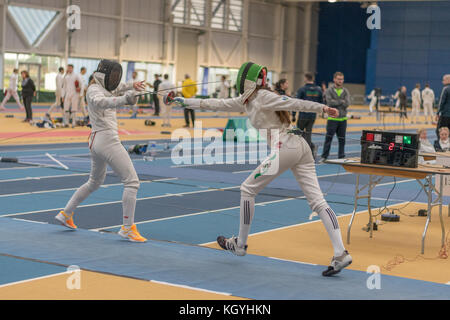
[185,206]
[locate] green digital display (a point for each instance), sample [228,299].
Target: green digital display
[407,139]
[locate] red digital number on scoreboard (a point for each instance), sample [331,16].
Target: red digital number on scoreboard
[391,146]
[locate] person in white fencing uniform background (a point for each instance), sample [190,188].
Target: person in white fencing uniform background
[58,93]
[428,102]
[270,111]
[82,103]
[134,108]
[373,100]
[164,88]
[104,96]
[71,91]
[416,102]
[12,91]
[396,98]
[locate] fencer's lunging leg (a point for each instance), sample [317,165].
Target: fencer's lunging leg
[247,213]
[97,176]
[305,174]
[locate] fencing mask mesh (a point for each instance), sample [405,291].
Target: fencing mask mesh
[113,74]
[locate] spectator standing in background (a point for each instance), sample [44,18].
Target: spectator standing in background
[428,102]
[373,101]
[155,87]
[337,97]
[71,91]
[443,115]
[189,91]
[134,109]
[12,91]
[165,87]
[58,93]
[396,98]
[224,90]
[28,92]
[403,98]
[416,102]
[310,92]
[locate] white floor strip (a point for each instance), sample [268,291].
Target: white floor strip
[114,202]
[389,183]
[303,223]
[311,264]
[31,221]
[47,177]
[73,189]
[33,279]
[189,287]
[200,213]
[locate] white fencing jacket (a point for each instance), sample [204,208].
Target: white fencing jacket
[102,105]
[68,88]
[261,109]
[428,95]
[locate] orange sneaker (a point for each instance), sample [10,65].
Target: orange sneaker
[66,220]
[131,234]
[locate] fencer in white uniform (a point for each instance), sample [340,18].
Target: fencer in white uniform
[104,95]
[267,110]
[396,98]
[58,93]
[416,102]
[373,100]
[428,102]
[164,88]
[82,103]
[71,91]
[12,91]
[134,108]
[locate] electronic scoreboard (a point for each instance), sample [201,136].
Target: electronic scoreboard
[390,148]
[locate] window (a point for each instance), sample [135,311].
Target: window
[227,14]
[190,12]
[32,22]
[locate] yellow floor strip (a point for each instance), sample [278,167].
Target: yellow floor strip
[395,247]
[97,286]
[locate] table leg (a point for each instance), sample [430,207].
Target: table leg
[440,209]
[429,191]
[368,206]
[354,209]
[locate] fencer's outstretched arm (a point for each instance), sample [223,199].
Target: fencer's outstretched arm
[272,101]
[229,105]
[96,95]
[122,88]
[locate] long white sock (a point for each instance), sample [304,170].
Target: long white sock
[129,206]
[247,213]
[331,224]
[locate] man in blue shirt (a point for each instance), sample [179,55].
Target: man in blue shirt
[310,92]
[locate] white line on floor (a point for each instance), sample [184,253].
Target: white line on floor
[189,287]
[33,279]
[115,202]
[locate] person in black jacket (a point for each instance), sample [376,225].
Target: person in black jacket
[28,92]
[443,114]
[155,87]
[310,92]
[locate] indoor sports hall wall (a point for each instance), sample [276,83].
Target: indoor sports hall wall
[343,42]
[413,46]
[281,35]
